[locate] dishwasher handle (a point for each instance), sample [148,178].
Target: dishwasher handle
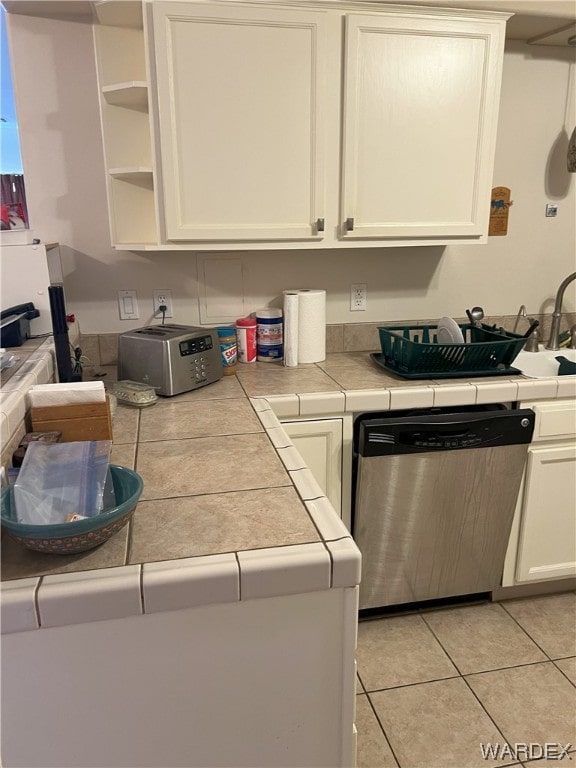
[431,432]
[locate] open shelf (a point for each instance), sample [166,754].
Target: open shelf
[127,13]
[133,94]
[130,174]
[124,104]
[133,214]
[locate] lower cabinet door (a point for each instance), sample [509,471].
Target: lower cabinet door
[320,445]
[547,544]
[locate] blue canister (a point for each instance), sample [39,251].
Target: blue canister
[269,340]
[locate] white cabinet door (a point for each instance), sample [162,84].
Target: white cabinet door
[240,111]
[547,545]
[420,113]
[320,445]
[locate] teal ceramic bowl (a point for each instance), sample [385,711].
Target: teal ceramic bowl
[67,538]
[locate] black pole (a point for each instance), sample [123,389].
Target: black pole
[60,329]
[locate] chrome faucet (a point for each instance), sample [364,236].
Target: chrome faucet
[557,314]
[521,313]
[534,338]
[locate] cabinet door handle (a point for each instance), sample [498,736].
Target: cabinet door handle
[349,225]
[319,225]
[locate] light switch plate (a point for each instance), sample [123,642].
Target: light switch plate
[128,305]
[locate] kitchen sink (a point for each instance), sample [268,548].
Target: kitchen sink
[542,364]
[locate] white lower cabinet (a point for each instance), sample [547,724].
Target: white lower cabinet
[543,538]
[326,447]
[547,543]
[267,682]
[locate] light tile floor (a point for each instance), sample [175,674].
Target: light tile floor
[435,685]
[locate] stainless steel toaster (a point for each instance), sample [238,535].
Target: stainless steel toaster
[171,358]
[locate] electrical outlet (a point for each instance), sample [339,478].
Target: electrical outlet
[162,298]
[358,298]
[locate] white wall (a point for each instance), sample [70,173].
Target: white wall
[56,95]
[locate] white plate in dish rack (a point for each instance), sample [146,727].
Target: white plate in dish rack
[449,331]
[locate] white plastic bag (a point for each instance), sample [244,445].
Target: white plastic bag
[59,480]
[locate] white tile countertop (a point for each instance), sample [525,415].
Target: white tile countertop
[230,511]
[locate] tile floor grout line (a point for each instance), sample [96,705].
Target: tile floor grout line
[411,685]
[460,674]
[525,631]
[462,677]
[373,708]
[435,636]
[500,730]
[564,673]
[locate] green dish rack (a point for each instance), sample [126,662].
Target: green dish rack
[413,352]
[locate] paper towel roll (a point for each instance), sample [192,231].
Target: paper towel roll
[67,393]
[291,306]
[306,327]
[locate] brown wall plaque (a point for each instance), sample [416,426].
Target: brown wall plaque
[499,206]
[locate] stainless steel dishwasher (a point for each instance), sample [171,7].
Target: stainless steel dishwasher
[435,492]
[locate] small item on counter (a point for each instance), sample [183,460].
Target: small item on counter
[228,349]
[246,334]
[61,479]
[33,437]
[77,535]
[304,326]
[7,359]
[269,335]
[18,456]
[12,474]
[75,517]
[134,393]
[566,367]
[67,393]
[40,437]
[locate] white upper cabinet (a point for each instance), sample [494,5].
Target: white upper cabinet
[240,105]
[420,111]
[302,123]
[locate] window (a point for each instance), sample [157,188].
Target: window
[13,210]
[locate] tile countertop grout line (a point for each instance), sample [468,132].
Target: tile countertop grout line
[327,548]
[128,551]
[239,576]
[195,437]
[141,586]
[218,493]
[36,603]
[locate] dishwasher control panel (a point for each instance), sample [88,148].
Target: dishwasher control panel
[442,441]
[444,430]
